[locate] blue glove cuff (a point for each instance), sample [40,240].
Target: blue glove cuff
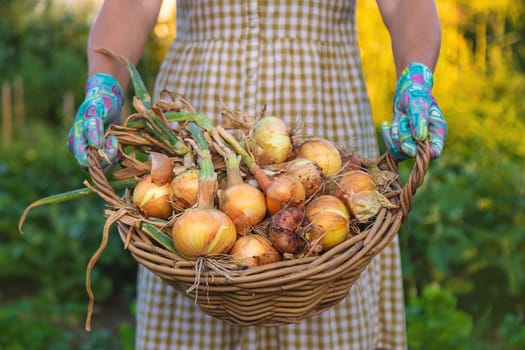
[418,73]
[104,83]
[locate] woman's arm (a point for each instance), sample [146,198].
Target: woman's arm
[414,30]
[122,26]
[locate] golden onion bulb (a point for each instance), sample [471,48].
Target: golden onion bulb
[270,141]
[331,218]
[203,231]
[152,199]
[244,204]
[284,191]
[308,173]
[184,189]
[254,250]
[322,152]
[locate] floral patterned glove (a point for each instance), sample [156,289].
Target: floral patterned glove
[417,116]
[101,107]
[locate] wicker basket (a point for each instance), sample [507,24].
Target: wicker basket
[275,294]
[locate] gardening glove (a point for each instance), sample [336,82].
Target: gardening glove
[102,107]
[416,115]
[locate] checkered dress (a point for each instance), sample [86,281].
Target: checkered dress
[301,60]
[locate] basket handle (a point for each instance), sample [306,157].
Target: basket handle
[416,177]
[102,186]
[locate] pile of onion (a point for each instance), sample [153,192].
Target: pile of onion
[305,195]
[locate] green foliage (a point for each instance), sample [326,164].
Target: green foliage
[59,239]
[466,229]
[46,49]
[465,232]
[37,324]
[512,332]
[42,273]
[434,323]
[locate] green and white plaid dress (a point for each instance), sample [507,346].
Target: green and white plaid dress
[301,59]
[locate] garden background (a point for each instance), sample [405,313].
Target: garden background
[463,246]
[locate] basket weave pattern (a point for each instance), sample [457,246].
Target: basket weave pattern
[275,294]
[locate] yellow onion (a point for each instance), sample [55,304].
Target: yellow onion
[184,189]
[308,173]
[331,219]
[203,231]
[358,190]
[152,199]
[322,152]
[366,204]
[353,182]
[244,204]
[254,250]
[284,191]
[270,141]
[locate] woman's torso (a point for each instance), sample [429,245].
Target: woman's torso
[300,59]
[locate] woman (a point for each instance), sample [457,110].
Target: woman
[301,59]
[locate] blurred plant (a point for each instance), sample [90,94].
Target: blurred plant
[42,273]
[512,333]
[465,232]
[59,239]
[36,323]
[434,323]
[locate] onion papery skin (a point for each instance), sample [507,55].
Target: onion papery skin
[331,218]
[286,230]
[308,173]
[244,204]
[358,190]
[184,189]
[322,152]
[152,199]
[363,205]
[161,168]
[270,141]
[202,232]
[284,191]
[353,182]
[254,250]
